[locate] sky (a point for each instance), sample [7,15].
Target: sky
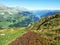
[34,4]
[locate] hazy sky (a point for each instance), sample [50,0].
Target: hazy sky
[34,4]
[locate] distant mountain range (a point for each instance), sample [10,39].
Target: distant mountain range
[21,17]
[16,17]
[44,13]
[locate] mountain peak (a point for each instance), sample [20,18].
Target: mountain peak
[21,8]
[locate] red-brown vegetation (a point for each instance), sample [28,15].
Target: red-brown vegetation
[30,38]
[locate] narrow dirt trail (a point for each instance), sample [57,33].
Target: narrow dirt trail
[30,38]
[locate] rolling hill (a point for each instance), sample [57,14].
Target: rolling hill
[49,29]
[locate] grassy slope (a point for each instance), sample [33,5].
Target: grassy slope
[10,35]
[49,29]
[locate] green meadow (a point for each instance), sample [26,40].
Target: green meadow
[8,35]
